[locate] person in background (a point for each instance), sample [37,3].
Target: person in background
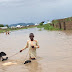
[8,32]
[32,44]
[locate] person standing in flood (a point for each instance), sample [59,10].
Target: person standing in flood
[32,45]
[6,32]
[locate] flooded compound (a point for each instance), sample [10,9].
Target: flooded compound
[54,54]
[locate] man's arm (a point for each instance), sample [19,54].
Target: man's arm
[24,47]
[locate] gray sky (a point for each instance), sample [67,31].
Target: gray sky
[18,11]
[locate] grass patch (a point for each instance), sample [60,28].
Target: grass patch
[40,29]
[48,27]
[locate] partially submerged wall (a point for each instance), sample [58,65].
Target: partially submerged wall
[65,24]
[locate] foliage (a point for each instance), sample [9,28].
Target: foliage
[41,23]
[55,21]
[47,27]
[40,29]
[12,29]
[1,25]
[7,26]
[68,19]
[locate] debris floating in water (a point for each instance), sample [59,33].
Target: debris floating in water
[3,54]
[9,63]
[27,61]
[4,59]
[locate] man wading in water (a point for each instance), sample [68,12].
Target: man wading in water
[32,45]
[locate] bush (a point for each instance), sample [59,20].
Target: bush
[47,27]
[1,25]
[41,23]
[55,21]
[7,26]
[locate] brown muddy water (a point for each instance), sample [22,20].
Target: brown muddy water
[54,54]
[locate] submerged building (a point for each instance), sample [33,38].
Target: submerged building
[65,24]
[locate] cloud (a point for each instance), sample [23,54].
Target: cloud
[13,11]
[24,3]
[8,0]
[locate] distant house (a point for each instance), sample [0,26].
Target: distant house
[3,27]
[19,26]
[13,27]
[36,24]
[49,22]
[27,25]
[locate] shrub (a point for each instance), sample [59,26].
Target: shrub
[55,21]
[1,25]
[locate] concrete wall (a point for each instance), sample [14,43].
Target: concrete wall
[68,25]
[63,24]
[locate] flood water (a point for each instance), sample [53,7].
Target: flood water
[54,54]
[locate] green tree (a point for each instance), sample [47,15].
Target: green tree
[1,25]
[7,26]
[41,23]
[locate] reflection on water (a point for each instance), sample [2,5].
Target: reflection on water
[54,54]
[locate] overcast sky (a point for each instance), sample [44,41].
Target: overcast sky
[19,11]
